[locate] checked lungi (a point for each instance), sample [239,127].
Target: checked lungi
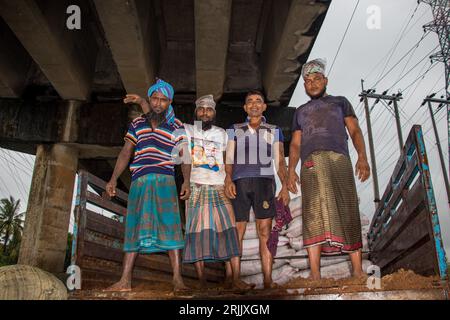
[211,233]
[330,203]
[153,222]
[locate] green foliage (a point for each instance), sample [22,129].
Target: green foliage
[11,227]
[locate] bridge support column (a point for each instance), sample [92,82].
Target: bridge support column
[44,239]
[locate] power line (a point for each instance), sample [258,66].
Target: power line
[429,92]
[15,175]
[421,76]
[417,85]
[431,66]
[343,37]
[11,174]
[381,60]
[393,67]
[407,62]
[23,168]
[399,40]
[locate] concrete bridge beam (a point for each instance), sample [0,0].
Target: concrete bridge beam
[284,41]
[41,28]
[212,27]
[131,32]
[14,64]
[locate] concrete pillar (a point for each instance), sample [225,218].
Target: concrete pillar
[71,121]
[44,239]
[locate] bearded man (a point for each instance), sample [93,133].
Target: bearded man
[330,212]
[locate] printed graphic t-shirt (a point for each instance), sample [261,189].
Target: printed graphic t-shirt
[207,148]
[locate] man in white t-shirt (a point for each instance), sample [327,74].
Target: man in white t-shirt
[211,233]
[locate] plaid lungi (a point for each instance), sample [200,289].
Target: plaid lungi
[153,221]
[330,203]
[211,233]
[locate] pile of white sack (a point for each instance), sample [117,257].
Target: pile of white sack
[290,245]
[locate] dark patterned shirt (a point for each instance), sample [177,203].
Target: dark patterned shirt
[322,124]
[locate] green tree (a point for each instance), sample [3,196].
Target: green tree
[11,222]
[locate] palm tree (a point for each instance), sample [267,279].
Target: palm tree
[11,221]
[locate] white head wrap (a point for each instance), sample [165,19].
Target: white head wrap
[314,66]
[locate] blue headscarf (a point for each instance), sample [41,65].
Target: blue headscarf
[166,89]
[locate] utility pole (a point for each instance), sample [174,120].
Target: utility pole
[376,189]
[441,26]
[391,98]
[441,102]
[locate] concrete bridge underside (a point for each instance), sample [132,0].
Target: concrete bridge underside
[61,90]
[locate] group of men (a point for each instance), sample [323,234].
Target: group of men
[226,173]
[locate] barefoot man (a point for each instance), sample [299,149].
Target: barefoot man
[250,180]
[211,233]
[331,220]
[153,222]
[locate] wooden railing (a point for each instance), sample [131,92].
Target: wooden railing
[98,241]
[405,231]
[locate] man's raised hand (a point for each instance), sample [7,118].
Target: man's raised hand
[133,98]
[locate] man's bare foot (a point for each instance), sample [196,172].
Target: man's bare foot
[314,277]
[359,274]
[228,283]
[271,285]
[178,285]
[241,285]
[360,277]
[203,284]
[121,286]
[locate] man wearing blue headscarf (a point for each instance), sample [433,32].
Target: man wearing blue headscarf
[154,142]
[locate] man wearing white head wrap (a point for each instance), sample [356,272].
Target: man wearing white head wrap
[206,104]
[314,66]
[331,220]
[211,233]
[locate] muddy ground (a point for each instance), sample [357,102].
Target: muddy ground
[400,280]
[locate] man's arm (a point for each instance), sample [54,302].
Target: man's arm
[122,163]
[294,157]
[280,165]
[186,170]
[134,98]
[230,187]
[362,169]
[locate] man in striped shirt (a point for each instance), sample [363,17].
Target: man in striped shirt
[154,142]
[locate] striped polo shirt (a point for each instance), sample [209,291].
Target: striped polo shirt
[153,147]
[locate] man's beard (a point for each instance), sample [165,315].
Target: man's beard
[206,125]
[159,118]
[320,95]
